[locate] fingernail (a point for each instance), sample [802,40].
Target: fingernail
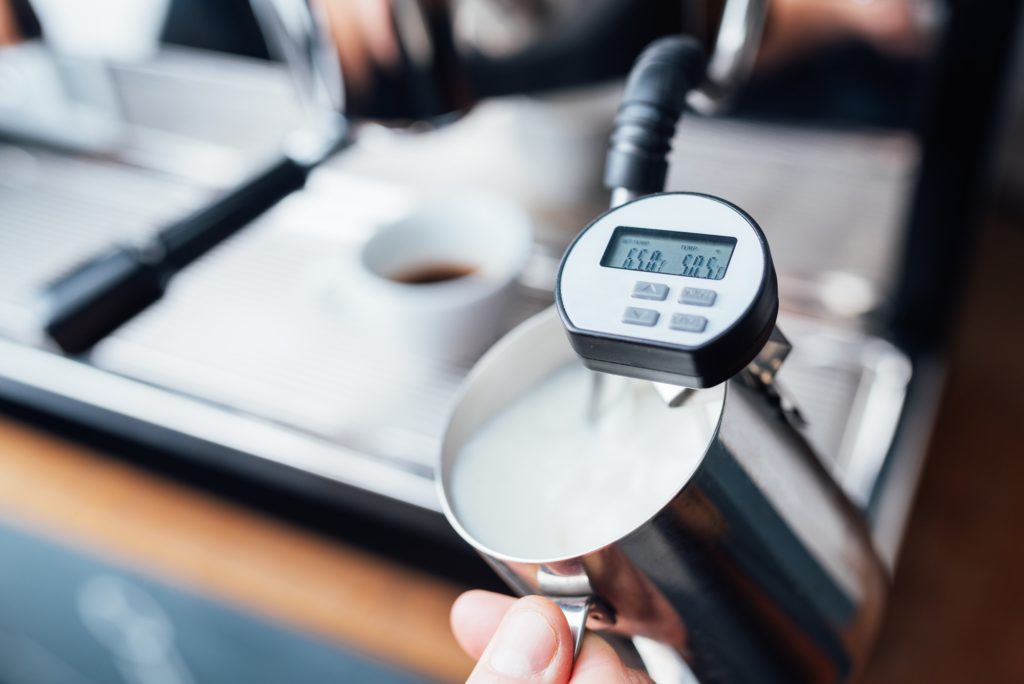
[525,644]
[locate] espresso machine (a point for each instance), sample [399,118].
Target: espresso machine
[795,515]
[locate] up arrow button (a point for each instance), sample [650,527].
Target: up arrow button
[654,291]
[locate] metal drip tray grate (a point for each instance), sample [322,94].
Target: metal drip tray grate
[851,388]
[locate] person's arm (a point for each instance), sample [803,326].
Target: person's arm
[18,22]
[528,640]
[796,27]
[364,36]
[8,26]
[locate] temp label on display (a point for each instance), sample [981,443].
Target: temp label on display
[671,252]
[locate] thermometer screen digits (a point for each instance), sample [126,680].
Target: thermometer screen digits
[671,252]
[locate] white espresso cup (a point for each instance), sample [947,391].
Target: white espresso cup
[439,280]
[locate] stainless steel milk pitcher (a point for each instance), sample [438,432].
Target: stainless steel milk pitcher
[758,570]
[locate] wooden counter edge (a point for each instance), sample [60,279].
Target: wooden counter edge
[283,573]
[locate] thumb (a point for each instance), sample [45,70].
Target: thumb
[532,644]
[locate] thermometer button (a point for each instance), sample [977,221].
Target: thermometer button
[688,323]
[653,291]
[636,316]
[697,296]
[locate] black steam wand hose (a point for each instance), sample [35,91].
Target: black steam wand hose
[652,104]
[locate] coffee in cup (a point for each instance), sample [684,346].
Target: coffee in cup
[439,280]
[428,274]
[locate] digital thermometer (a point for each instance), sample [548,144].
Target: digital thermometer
[674,287]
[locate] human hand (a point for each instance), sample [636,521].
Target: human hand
[528,640]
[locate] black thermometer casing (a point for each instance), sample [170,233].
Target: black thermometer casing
[713,360]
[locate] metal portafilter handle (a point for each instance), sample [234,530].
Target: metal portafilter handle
[85,305]
[92,300]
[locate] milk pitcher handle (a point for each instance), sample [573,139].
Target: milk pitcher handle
[576,609]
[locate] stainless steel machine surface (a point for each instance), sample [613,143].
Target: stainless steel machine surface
[250,360]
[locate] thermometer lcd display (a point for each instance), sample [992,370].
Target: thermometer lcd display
[668,251]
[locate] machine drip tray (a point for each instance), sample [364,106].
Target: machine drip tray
[251,362]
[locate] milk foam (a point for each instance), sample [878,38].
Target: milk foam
[542,480]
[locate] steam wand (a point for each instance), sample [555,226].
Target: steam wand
[653,102]
[637,163]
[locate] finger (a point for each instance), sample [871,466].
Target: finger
[532,644]
[598,663]
[475,617]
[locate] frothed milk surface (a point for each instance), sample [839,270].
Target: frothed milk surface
[545,478]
